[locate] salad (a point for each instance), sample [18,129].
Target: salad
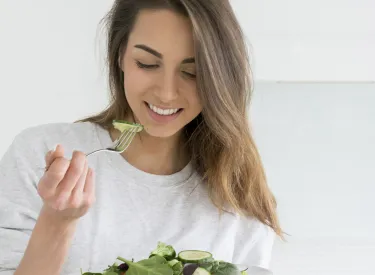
[164,260]
[123,125]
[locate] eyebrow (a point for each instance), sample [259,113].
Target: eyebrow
[188,60]
[159,55]
[149,50]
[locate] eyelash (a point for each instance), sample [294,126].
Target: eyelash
[155,66]
[145,66]
[189,75]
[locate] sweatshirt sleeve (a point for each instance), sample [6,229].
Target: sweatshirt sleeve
[254,244]
[20,204]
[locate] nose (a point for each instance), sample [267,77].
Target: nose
[168,91]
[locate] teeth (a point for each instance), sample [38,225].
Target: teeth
[162,112]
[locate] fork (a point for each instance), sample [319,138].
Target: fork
[118,146]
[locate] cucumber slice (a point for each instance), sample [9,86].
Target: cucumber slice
[171,263]
[201,271]
[122,126]
[193,256]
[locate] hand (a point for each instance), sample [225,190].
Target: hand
[68,186]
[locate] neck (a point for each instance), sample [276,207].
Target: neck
[159,156]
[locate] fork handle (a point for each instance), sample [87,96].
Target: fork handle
[96,151]
[88,154]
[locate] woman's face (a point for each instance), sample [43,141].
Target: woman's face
[159,72]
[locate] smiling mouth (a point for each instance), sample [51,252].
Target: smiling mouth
[163,112]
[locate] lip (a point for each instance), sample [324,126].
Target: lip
[161,118]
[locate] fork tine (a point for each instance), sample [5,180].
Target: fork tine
[126,140]
[124,135]
[125,143]
[130,139]
[120,138]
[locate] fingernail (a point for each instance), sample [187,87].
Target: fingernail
[54,148]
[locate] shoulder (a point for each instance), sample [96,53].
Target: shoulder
[41,138]
[56,130]
[254,227]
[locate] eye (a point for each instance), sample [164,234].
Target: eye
[189,75]
[147,66]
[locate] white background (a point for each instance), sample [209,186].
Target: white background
[313,112]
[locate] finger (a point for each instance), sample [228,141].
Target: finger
[58,152]
[77,192]
[81,181]
[89,189]
[77,164]
[54,154]
[47,157]
[50,180]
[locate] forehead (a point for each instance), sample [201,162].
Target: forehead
[165,31]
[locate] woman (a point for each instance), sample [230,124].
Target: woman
[193,178]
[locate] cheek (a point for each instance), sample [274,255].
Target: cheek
[194,101]
[136,82]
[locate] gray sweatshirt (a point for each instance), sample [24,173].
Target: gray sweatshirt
[133,211]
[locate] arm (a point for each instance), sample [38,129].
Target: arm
[19,203]
[48,246]
[39,212]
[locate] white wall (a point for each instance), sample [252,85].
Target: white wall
[50,67]
[301,40]
[317,143]
[317,140]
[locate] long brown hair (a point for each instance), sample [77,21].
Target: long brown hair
[219,139]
